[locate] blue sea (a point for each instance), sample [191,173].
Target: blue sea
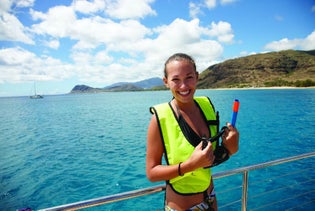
[68,148]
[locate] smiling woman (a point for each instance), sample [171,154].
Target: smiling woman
[176,130]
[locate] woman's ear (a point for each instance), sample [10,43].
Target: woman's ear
[165,82]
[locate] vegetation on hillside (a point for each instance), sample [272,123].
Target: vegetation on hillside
[283,68]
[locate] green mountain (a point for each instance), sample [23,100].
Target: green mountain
[283,68]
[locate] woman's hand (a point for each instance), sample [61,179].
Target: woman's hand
[200,157]
[230,139]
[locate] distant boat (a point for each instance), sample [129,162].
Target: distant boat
[36,96]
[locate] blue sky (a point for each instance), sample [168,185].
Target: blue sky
[62,43]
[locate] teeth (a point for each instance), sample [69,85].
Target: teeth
[184,93]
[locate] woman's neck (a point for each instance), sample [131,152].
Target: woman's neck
[185,107]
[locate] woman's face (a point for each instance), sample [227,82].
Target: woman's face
[181,79]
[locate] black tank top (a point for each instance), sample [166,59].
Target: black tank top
[193,138]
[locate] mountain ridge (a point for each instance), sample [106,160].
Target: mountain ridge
[120,86]
[293,68]
[283,68]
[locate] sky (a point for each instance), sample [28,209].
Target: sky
[58,44]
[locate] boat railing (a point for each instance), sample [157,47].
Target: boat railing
[146,191]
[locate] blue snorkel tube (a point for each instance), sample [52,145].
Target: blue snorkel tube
[236,105]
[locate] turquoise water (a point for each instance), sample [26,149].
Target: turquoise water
[68,148]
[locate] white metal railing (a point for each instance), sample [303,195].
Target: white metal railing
[146,191]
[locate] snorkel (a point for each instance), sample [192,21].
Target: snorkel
[221,154]
[236,105]
[235,108]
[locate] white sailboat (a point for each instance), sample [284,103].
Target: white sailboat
[36,96]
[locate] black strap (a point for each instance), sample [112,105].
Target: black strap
[213,122]
[188,132]
[193,138]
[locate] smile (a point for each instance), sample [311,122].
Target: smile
[184,93]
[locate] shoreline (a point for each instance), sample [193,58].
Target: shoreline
[261,88]
[235,88]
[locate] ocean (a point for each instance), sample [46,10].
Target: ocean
[67,148]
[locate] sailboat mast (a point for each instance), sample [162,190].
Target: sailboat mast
[34,88]
[35,96]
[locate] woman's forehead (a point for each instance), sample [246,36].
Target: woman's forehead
[180,67]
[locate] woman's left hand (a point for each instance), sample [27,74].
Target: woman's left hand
[230,139]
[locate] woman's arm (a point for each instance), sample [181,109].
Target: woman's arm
[154,169]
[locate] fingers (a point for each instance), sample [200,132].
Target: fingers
[230,131]
[230,127]
[208,149]
[231,139]
[202,157]
[208,152]
[199,146]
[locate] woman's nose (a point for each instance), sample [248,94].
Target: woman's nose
[183,84]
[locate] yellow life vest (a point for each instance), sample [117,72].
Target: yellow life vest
[179,149]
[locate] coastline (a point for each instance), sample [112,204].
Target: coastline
[234,88]
[262,88]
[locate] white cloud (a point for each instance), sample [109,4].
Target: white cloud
[115,36]
[102,58]
[180,31]
[13,30]
[57,22]
[88,7]
[225,2]
[89,32]
[194,9]
[282,44]
[119,9]
[20,65]
[125,9]
[210,4]
[181,36]
[141,57]
[54,44]
[87,58]
[107,51]
[5,6]
[307,43]
[223,31]
[24,3]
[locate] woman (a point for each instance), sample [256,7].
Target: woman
[176,130]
